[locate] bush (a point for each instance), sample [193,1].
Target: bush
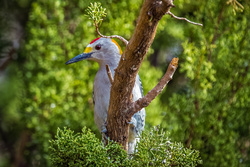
[154,149]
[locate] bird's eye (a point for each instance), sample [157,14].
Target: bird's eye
[98,47]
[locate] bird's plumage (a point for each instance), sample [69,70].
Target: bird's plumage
[107,51]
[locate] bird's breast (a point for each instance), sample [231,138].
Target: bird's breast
[101,97]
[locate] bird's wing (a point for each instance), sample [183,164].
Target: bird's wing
[139,117]
[141,87]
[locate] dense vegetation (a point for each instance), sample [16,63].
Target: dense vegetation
[154,149]
[206,105]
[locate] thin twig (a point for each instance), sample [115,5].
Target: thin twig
[183,18]
[151,95]
[109,74]
[112,36]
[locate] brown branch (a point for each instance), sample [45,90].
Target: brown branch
[235,4]
[112,36]
[7,60]
[151,95]
[192,125]
[109,74]
[183,18]
[216,34]
[124,79]
[191,135]
[20,148]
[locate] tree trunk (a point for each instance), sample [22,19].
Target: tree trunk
[125,74]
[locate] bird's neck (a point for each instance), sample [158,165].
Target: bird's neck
[111,63]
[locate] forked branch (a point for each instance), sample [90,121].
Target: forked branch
[112,36]
[96,13]
[151,95]
[120,102]
[121,105]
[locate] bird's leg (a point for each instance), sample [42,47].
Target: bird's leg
[103,128]
[104,133]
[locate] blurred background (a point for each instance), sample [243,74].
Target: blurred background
[206,105]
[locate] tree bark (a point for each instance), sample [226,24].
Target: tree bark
[150,96]
[125,74]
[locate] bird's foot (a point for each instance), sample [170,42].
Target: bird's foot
[104,130]
[104,133]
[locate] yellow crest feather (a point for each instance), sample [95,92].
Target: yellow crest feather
[117,46]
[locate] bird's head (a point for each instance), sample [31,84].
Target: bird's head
[101,50]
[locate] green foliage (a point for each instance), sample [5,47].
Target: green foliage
[84,149]
[154,149]
[206,105]
[39,93]
[236,6]
[150,79]
[96,12]
[210,111]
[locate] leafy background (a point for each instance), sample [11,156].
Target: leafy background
[206,105]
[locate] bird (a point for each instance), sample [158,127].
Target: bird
[106,51]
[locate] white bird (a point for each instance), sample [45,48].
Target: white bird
[107,51]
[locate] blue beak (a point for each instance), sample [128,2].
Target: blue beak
[79,57]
